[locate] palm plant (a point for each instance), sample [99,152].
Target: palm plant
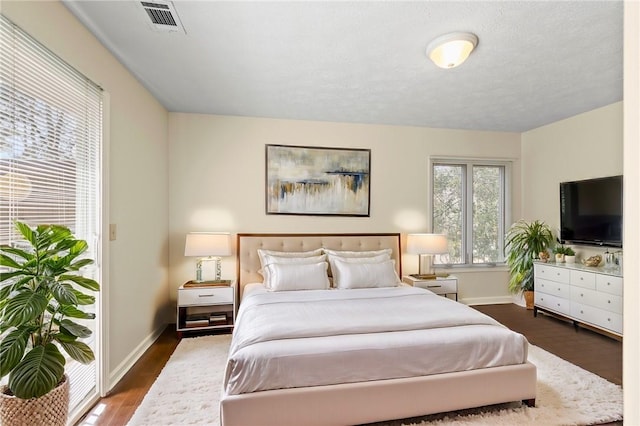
[523,242]
[38,298]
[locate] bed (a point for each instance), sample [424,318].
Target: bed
[358,355]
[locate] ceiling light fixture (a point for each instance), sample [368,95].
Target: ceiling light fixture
[450,50]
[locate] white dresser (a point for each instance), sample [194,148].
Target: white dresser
[591,296]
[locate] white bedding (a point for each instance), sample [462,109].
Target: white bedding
[320,337]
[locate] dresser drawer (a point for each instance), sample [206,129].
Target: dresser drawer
[205,296]
[583,279]
[609,284]
[607,302]
[553,303]
[598,317]
[553,288]
[552,273]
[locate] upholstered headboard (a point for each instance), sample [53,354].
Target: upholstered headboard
[247,245]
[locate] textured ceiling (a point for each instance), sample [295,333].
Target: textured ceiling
[537,61]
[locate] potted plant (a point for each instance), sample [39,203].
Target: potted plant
[523,243]
[39,300]
[564,254]
[560,252]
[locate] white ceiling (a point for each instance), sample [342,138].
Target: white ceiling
[364,62]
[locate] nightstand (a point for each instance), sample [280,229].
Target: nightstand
[441,285]
[206,306]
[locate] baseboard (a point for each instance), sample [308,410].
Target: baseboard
[493,300]
[116,375]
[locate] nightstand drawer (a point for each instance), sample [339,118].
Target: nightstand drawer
[205,296]
[439,286]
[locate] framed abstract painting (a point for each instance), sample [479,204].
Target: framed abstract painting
[317,181]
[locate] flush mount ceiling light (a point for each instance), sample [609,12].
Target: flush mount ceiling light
[450,50]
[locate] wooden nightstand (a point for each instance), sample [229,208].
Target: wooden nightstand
[207,306]
[440,285]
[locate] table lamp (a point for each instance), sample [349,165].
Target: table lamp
[207,246]
[426,245]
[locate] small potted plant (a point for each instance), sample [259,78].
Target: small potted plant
[569,255]
[39,299]
[560,252]
[564,254]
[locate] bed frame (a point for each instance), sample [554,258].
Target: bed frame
[371,401]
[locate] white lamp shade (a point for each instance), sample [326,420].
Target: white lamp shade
[450,50]
[207,244]
[427,244]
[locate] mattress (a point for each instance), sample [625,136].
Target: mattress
[320,337]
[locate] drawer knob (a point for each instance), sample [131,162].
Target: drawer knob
[558,304]
[609,319]
[581,295]
[608,301]
[558,288]
[582,312]
[205,295]
[581,278]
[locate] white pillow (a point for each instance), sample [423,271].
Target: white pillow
[368,253]
[373,259]
[263,252]
[270,260]
[364,275]
[295,276]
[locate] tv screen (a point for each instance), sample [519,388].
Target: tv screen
[591,211]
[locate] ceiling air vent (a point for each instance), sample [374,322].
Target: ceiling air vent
[163,16]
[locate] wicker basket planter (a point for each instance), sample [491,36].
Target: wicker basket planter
[48,410]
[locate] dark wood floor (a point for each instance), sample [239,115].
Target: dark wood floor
[594,352]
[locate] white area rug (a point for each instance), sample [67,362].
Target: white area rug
[188,390]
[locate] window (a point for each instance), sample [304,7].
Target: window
[50,157]
[470,205]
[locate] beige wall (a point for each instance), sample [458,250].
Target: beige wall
[217,182]
[585,146]
[137,151]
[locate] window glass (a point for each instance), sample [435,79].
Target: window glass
[469,205]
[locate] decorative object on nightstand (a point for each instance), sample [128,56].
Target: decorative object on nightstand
[205,306]
[426,244]
[207,246]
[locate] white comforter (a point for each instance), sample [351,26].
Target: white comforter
[320,337]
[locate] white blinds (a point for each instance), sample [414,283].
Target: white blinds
[50,134]
[50,152]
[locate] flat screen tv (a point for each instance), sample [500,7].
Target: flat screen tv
[591,211]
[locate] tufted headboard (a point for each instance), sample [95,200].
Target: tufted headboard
[247,245]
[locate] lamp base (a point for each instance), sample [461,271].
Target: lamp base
[200,261]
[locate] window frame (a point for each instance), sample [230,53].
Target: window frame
[506,207]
